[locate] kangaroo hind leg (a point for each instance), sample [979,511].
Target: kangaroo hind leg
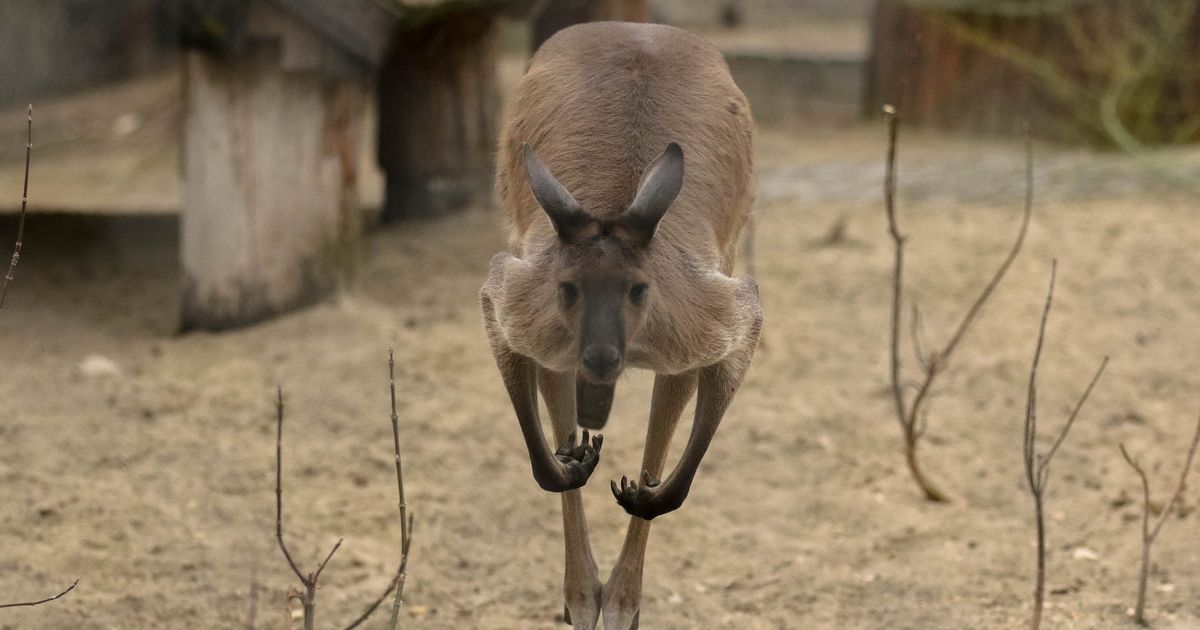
[581,586]
[622,597]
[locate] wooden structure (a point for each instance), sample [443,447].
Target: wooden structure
[439,97]
[56,46]
[438,103]
[1114,71]
[270,138]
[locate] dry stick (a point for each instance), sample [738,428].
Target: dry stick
[1037,465]
[16,255]
[1150,534]
[12,268]
[912,414]
[406,520]
[309,597]
[43,601]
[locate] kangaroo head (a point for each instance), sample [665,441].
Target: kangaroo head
[602,288]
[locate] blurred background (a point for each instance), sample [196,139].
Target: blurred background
[344,114]
[227,195]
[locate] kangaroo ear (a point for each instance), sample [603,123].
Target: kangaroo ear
[564,212]
[656,192]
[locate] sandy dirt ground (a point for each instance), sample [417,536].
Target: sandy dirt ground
[153,482]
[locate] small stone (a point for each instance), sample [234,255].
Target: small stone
[1165,588]
[99,366]
[675,599]
[126,124]
[1083,553]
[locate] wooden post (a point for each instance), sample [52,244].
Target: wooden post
[269,142]
[438,101]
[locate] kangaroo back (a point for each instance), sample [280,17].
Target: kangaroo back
[600,101]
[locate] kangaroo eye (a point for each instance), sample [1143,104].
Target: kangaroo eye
[637,293]
[569,293]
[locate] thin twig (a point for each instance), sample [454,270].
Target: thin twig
[12,269]
[46,600]
[1062,435]
[16,255]
[889,204]
[1183,475]
[918,331]
[279,484]
[398,580]
[406,520]
[309,597]
[912,414]
[1037,466]
[1150,534]
[973,312]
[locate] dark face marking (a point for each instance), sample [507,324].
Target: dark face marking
[602,296]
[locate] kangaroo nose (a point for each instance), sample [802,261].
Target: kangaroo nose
[601,360]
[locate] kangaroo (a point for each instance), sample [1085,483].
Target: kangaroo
[624,174]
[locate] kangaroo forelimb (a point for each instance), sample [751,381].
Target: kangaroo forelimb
[717,385]
[570,466]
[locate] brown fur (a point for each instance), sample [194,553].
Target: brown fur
[600,101]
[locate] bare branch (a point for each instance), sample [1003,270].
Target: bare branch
[16,255]
[889,201]
[279,486]
[1062,435]
[913,414]
[43,601]
[1149,535]
[317,574]
[1037,467]
[308,598]
[973,312]
[398,580]
[1183,475]
[917,333]
[1030,433]
[406,520]
[1145,492]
